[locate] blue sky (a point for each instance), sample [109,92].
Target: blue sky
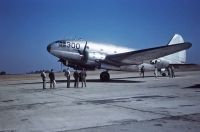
[28,26]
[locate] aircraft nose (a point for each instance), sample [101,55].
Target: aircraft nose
[49,48]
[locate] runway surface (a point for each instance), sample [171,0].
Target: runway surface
[126,103]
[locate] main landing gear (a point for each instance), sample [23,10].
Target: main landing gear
[105,76]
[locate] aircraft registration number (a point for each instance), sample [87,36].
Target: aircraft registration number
[70,45]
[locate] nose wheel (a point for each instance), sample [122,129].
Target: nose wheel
[105,76]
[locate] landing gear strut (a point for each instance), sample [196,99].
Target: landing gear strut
[105,76]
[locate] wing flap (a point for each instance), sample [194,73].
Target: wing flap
[139,56]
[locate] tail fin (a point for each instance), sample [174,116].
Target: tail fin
[179,57]
[176,39]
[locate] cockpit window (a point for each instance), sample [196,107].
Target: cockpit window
[61,41]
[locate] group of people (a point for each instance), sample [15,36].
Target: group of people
[78,76]
[170,71]
[81,76]
[51,78]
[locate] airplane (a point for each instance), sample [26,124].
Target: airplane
[80,54]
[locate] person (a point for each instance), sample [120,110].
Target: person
[156,72]
[76,78]
[83,77]
[80,79]
[172,71]
[142,71]
[168,71]
[43,75]
[52,79]
[67,75]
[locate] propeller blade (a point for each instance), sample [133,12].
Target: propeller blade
[85,47]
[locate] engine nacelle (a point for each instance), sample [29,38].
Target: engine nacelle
[159,63]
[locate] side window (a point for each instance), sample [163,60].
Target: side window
[61,43]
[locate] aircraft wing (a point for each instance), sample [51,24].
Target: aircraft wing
[139,56]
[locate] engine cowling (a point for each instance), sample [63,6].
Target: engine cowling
[160,63]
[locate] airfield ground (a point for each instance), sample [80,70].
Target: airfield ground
[126,103]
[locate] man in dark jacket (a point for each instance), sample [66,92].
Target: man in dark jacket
[83,77]
[52,79]
[67,75]
[76,78]
[142,71]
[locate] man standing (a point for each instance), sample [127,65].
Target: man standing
[168,71]
[172,71]
[76,78]
[83,77]
[156,72]
[52,79]
[142,71]
[43,75]
[67,75]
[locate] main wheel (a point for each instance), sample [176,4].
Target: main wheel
[104,76]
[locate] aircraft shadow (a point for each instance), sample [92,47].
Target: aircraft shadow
[99,81]
[133,77]
[116,80]
[195,86]
[26,83]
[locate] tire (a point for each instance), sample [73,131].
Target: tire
[104,76]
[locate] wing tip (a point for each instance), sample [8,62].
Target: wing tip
[188,44]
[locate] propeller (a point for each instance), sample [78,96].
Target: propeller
[84,53]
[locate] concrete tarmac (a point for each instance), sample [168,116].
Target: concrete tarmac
[126,103]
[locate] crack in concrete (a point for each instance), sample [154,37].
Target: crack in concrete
[23,106]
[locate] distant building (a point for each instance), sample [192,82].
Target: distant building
[3,73]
